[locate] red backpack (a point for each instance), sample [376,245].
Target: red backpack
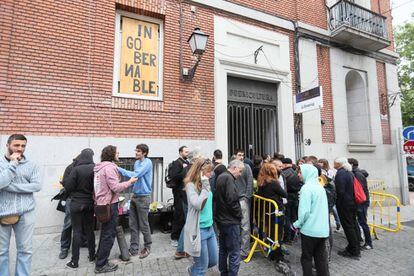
[359,193]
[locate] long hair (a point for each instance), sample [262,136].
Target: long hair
[267,174]
[193,175]
[325,164]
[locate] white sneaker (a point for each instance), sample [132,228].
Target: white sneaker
[174,243]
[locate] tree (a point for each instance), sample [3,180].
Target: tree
[404,39]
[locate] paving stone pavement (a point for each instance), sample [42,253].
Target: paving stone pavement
[392,255]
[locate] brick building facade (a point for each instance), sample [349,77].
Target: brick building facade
[60,63]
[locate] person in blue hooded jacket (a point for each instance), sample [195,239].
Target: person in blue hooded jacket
[313,216]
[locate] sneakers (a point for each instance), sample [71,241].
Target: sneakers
[63,254]
[144,253]
[109,267]
[180,255]
[366,247]
[174,243]
[345,253]
[72,264]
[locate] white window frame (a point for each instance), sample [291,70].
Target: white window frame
[117,55]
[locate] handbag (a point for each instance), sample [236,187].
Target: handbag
[104,213]
[10,220]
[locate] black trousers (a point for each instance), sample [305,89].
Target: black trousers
[314,248]
[362,211]
[291,215]
[178,216]
[277,255]
[347,215]
[82,218]
[107,238]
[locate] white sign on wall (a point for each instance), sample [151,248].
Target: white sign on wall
[308,100]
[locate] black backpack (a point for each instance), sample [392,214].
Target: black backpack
[169,182]
[330,194]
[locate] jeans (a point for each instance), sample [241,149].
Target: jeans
[362,220]
[82,218]
[336,216]
[245,226]
[178,216]
[23,231]
[314,248]
[66,236]
[208,256]
[138,222]
[229,247]
[107,238]
[180,247]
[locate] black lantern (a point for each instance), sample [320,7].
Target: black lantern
[198,41]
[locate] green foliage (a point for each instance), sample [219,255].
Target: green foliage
[404,39]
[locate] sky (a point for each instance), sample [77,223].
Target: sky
[401,12]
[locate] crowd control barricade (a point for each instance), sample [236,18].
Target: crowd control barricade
[265,226]
[385,213]
[376,185]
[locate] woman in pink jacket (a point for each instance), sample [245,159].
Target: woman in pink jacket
[107,188]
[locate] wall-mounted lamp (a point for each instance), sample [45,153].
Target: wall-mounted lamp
[198,43]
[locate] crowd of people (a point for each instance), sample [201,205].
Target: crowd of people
[212,219]
[306,192]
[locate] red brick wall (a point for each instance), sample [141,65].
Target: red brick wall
[383,7]
[50,85]
[6,23]
[50,93]
[312,12]
[383,103]
[324,76]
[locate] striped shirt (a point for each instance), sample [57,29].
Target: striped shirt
[18,181]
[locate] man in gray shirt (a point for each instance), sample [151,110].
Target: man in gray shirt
[244,185]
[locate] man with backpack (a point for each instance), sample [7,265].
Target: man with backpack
[362,209]
[175,175]
[347,207]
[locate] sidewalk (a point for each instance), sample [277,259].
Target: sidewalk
[392,255]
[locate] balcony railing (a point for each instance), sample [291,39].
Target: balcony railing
[345,13]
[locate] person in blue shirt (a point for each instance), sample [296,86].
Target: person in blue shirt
[140,201]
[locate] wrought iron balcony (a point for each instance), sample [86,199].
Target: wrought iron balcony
[357,26]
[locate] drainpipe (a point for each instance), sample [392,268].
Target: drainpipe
[297,117]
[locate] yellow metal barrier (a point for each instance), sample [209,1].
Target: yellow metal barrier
[382,217]
[376,185]
[265,228]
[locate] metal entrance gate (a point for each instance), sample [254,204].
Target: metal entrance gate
[252,127]
[252,116]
